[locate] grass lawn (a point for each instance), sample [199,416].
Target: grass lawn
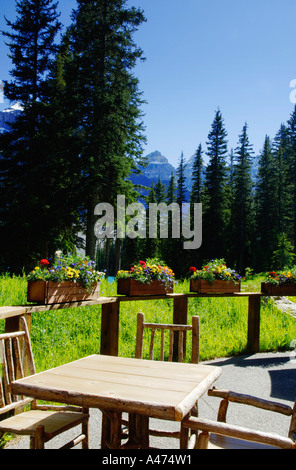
[61,336]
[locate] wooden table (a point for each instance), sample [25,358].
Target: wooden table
[115,385]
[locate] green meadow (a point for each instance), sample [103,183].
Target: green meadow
[64,335]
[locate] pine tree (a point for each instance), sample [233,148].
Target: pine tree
[242,213]
[152,245]
[283,184]
[266,207]
[181,181]
[160,191]
[32,46]
[104,55]
[292,166]
[215,196]
[195,256]
[168,246]
[197,177]
[24,169]
[171,190]
[283,257]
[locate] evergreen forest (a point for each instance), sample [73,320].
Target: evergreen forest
[81,135]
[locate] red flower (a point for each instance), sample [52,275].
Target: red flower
[142,263]
[44,262]
[192,269]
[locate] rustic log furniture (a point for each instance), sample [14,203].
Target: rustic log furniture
[181,330]
[144,388]
[155,330]
[41,422]
[221,435]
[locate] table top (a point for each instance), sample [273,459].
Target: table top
[166,390]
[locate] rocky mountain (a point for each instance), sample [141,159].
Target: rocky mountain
[158,167]
[8,116]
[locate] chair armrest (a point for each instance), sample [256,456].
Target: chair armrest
[251,401]
[77,409]
[238,432]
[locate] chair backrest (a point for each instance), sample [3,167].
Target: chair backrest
[174,331]
[11,365]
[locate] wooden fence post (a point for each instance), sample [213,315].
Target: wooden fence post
[254,323]
[179,318]
[110,329]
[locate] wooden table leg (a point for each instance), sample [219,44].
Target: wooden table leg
[110,329]
[254,323]
[138,432]
[184,437]
[111,430]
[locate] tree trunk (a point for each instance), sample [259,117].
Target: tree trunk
[107,256]
[91,240]
[118,245]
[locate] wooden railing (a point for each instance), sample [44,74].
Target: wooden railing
[111,314]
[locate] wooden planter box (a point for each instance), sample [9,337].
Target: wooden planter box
[48,292]
[220,287]
[132,287]
[284,289]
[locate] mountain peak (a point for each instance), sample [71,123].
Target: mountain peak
[8,116]
[157,157]
[158,167]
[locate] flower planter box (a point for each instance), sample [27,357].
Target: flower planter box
[284,289]
[132,287]
[220,287]
[48,292]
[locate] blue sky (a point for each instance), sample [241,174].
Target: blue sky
[203,55]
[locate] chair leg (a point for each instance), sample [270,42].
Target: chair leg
[85,431]
[203,440]
[32,442]
[85,443]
